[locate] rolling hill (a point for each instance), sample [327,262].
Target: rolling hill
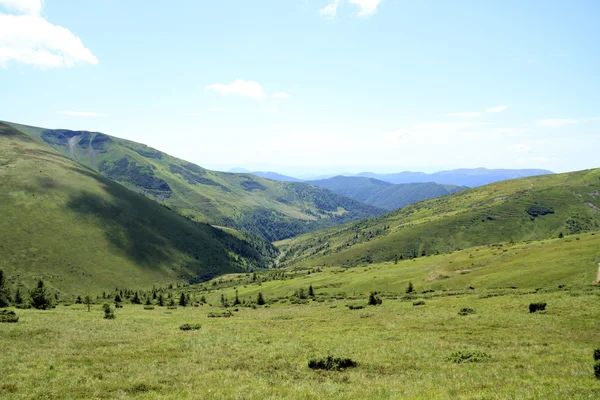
[519,210]
[464,177]
[81,232]
[384,194]
[273,210]
[275,176]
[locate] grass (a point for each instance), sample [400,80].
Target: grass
[402,351]
[82,233]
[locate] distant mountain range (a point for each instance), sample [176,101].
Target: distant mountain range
[384,194]
[471,177]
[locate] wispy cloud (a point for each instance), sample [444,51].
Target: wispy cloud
[238,87]
[496,109]
[281,95]
[367,7]
[81,114]
[330,9]
[556,122]
[30,39]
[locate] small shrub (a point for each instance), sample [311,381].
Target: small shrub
[148,307]
[466,311]
[331,363]
[7,316]
[355,306]
[597,369]
[171,307]
[419,303]
[374,300]
[190,327]
[108,312]
[410,288]
[534,307]
[459,357]
[224,314]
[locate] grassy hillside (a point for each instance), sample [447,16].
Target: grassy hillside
[384,194]
[274,210]
[79,231]
[524,209]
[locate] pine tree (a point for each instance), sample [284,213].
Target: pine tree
[4,291]
[161,300]
[237,299]
[79,300]
[254,276]
[118,298]
[136,299]
[88,301]
[148,302]
[224,301]
[39,297]
[18,296]
[171,302]
[311,291]
[260,300]
[182,300]
[410,288]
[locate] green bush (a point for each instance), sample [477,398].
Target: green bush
[148,307]
[534,307]
[374,300]
[419,303]
[190,327]
[459,357]
[108,312]
[331,363]
[355,306]
[597,369]
[466,311]
[7,316]
[597,355]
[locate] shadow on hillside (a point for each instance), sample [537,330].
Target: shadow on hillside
[149,233]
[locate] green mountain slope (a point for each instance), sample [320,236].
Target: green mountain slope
[274,210]
[79,231]
[524,209]
[384,194]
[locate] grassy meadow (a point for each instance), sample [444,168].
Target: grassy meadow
[402,350]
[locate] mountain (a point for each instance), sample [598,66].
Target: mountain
[533,208]
[77,230]
[238,170]
[384,194]
[275,176]
[463,177]
[273,210]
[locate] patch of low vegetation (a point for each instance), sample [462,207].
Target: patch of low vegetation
[465,356]
[331,363]
[355,306]
[7,316]
[466,311]
[190,327]
[148,307]
[535,307]
[374,300]
[220,314]
[418,303]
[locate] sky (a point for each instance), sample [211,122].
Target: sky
[314,86]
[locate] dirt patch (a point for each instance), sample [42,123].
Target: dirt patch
[592,206]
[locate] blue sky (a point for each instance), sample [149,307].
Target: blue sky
[302,86]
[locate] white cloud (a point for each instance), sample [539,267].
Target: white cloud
[239,87]
[331,9]
[367,7]
[521,148]
[30,39]
[81,114]
[556,122]
[215,109]
[465,114]
[496,109]
[33,7]
[281,95]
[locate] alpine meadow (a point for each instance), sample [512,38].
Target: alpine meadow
[304,199]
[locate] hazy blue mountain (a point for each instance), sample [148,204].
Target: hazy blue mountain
[274,176]
[464,176]
[384,194]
